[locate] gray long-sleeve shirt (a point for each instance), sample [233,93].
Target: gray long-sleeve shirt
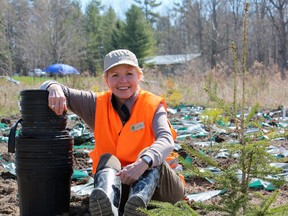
[83,104]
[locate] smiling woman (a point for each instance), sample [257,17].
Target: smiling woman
[133,136]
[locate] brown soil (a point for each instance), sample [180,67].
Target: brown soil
[9,202]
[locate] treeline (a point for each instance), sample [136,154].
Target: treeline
[37,33]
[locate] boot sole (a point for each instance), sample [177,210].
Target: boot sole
[132,205]
[99,204]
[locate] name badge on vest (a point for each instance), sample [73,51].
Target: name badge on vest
[137,126]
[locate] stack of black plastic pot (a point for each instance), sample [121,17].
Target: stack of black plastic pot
[43,157]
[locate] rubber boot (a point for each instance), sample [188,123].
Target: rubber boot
[141,192]
[106,195]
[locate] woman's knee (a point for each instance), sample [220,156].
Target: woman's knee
[109,161]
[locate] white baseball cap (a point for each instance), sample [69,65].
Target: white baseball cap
[119,57]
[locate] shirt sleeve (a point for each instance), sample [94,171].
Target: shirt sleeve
[164,142]
[82,103]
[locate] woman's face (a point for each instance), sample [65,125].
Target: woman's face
[123,81]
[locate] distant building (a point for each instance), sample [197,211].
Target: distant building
[171,63]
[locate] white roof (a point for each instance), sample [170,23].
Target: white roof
[171,59]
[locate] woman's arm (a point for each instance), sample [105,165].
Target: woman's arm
[164,142]
[82,103]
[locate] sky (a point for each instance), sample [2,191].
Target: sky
[121,6]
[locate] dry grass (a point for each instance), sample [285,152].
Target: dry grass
[263,86]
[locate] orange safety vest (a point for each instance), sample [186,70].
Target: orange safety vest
[125,142]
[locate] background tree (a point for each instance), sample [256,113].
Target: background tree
[36,33]
[138,34]
[260,33]
[165,34]
[62,31]
[93,28]
[190,25]
[149,7]
[5,53]
[117,37]
[34,41]
[215,5]
[16,22]
[278,15]
[50,33]
[108,26]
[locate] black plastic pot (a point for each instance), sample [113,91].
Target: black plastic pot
[43,157]
[43,193]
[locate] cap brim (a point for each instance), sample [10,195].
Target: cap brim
[121,63]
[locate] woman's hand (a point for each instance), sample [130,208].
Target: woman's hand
[57,99]
[131,173]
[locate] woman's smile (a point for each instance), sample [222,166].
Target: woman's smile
[123,81]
